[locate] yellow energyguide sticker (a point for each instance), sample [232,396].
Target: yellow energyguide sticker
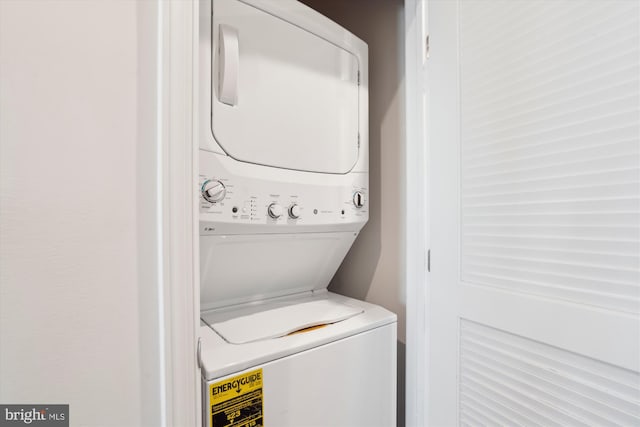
[237,401]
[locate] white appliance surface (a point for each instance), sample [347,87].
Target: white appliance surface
[298,91]
[342,374]
[283,194]
[257,267]
[282,321]
[221,358]
[282,86]
[283,183]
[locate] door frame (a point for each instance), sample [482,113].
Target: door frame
[176,136]
[416,209]
[177,142]
[417,206]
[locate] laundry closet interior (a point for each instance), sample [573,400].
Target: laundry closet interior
[320,212]
[283,176]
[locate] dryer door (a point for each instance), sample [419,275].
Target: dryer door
[281,96]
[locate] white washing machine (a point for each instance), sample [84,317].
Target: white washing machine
[284,193]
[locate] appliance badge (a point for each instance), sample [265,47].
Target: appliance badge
[237,401]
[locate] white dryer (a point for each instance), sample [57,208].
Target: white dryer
[284,193]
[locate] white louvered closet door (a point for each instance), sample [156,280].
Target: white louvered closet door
[533,125]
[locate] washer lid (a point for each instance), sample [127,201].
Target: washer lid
[240,268]
[219,358]
[283,321]
[281,95]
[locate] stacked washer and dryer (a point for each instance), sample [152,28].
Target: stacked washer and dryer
[284,194]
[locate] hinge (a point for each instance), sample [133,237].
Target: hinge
[429,260]
[199,353]
[358,139]
[426,46]
[358,77]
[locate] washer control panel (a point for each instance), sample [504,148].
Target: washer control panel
[224,201]
[233,195]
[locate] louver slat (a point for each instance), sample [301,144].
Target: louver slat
[550,149]
[507,377]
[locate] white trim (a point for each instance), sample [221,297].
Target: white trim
[195,214]
[149,213]
[160,180]
[179,233]
[416,217]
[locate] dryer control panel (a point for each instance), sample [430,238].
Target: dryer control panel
[234,201]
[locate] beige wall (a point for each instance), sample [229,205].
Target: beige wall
[78,301]
[374,268]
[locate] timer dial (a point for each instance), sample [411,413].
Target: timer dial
[213,191]
[294,211]
[274,210]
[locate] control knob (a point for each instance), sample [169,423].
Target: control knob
[274,210]
[358,199]
[213,190]
[294,211]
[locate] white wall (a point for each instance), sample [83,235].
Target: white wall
[72,313]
